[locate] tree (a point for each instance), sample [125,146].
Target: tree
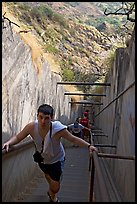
[127,9]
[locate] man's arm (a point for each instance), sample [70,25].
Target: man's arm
[17,138]
[75,140]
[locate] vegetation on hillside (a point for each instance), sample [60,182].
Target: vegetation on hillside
[83,52]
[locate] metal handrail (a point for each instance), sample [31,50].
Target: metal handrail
[18,147]
[87,103]
[115,98]
[104,145]
[84,94]
[99,175]
[116,156]
[84,83]
[100,179]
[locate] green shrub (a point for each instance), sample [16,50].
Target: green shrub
[51,48]
[42,12]
[60,19]
[68,75]
[23,7]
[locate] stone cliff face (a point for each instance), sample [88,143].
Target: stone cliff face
[27,82]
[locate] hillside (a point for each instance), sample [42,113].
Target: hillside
[80,52]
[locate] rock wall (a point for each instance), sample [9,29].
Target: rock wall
[118,119]
[28,82]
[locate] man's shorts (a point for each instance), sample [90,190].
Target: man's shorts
[54,170]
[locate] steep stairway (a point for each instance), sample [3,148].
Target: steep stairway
[75,182]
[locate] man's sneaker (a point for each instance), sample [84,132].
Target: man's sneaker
[50,199]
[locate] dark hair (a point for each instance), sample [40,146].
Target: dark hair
[46,109]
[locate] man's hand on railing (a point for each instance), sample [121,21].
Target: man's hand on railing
[92,148]
[6,146]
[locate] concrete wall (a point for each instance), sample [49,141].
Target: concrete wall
[17,169]
[25,86]
[118,119]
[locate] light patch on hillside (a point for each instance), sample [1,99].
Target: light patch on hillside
[36,50]
[52,61]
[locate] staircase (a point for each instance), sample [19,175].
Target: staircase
[74,185]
